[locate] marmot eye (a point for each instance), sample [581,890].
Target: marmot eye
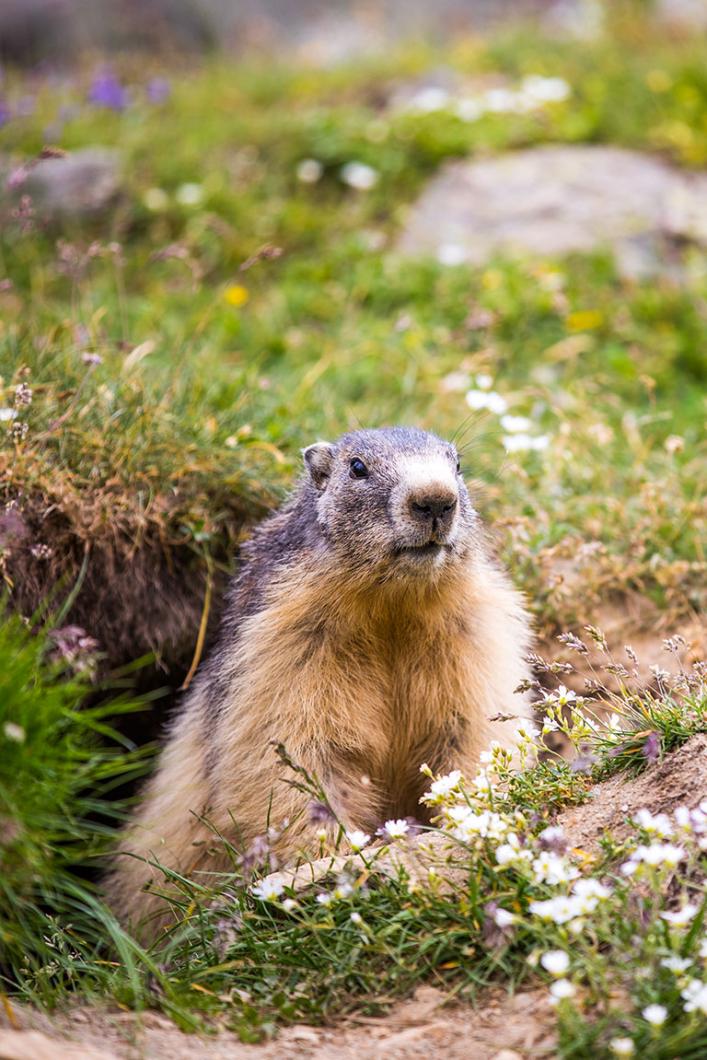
[459,465]
[358,468]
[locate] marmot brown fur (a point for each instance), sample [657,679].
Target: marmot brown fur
[369,630]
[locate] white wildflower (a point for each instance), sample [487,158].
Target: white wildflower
[683,818]
[325,899]
[559,910]
[556,962]
[518,443]
[510,852]
[503,918]
[468,824]
[545,89]
[563,696]
[501,100]
[443,786]
[483,381]
[451,254]
[695,996]
[455,382]
[356,918]
[657,854]
[429,99]
[482,781]
[7,414]
[655,825]
[309,171]
[469,109]
[289,904]
[553,869]
[489,400]
[14,732]
[358,840]
[680,917]
[676,964]
[268,889]
[561,990]
[590,888]
[189,194]
[358,175]
[656,1015]
[527,732]
[515,424]
[622,1047]
[396,829]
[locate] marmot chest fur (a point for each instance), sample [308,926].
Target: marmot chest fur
[369,631]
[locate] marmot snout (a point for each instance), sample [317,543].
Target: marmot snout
[369,630]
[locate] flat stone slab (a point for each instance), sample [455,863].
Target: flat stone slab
[553,200]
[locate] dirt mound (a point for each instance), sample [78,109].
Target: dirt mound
[679,780]
[498,1028]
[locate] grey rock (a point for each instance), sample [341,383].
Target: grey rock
[690,14]
[77,185]
[554,200]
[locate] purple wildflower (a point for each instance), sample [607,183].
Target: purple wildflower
[496,929]
[583,763]
[651,748]
[5,113]
[553,838]
[158,90]
[258,856]
[107,91]
[17,177]
[320,813]
[74,646]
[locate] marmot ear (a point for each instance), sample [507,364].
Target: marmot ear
[318,459]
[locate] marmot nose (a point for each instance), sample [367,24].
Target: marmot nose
[430,507]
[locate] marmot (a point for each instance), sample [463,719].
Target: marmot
[369,630]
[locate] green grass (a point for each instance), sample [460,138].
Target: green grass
[188,438]
[61,762]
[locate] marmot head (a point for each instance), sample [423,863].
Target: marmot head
[392,502]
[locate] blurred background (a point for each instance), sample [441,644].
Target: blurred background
[60,30]
[227,229]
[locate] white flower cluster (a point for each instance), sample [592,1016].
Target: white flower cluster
[482,398]
[572,908]
[694,995]
[358,175]
[533,93]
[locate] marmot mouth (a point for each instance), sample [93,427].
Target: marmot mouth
[430,548]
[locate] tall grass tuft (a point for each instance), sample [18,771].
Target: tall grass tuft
[60,763]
